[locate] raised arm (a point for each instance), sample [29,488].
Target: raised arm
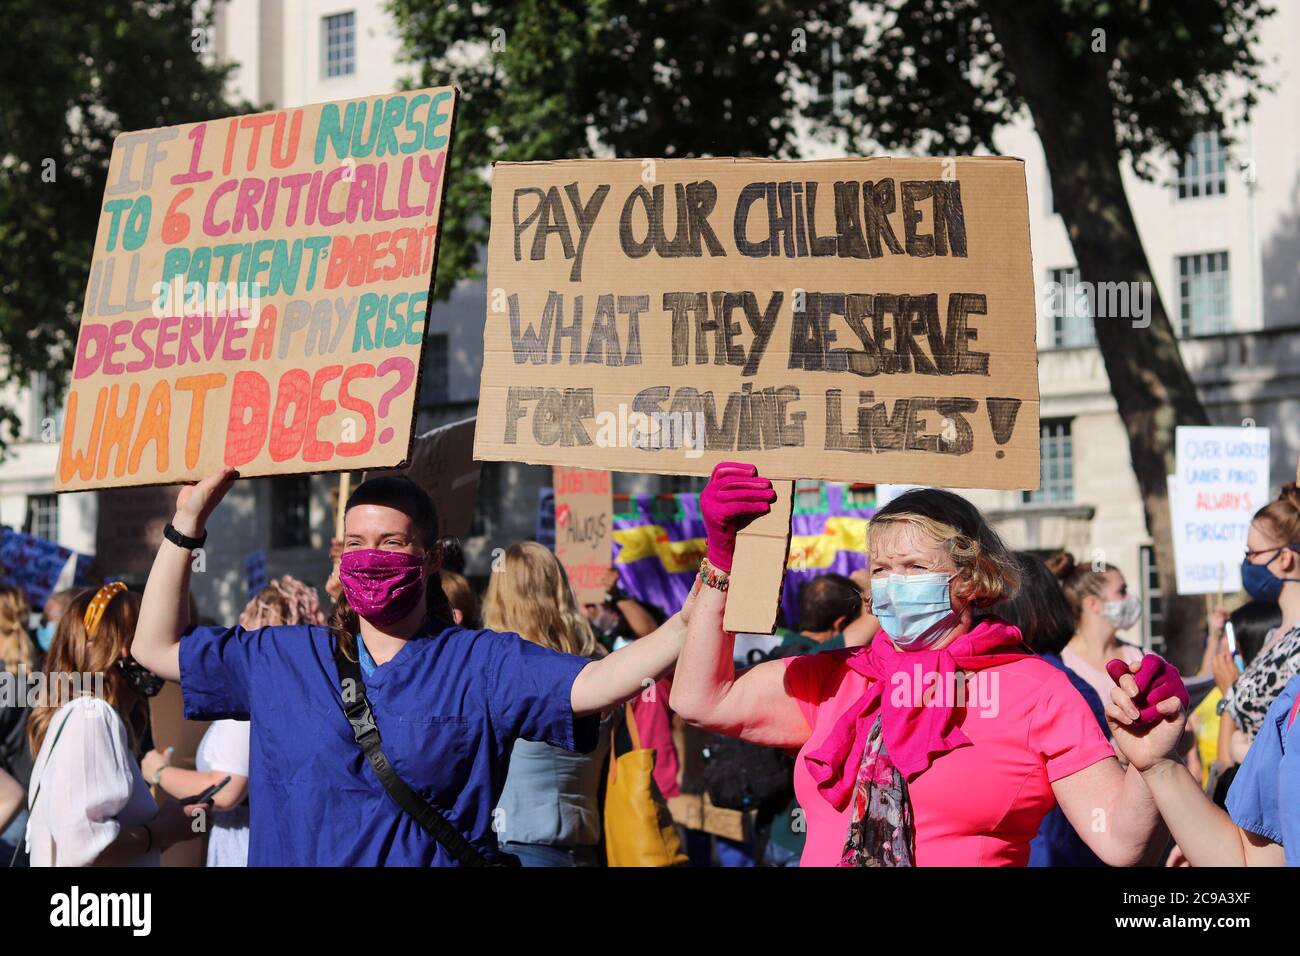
[706,691]
[164,609]
[754,706]
[1205,834]
[622,675]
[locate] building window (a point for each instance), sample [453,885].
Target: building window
[291,511]
[1203,305]
[340,54]
[1056,481]
[43,516]
[1153,617]
[437,369]
[1069,309]
[1203,169]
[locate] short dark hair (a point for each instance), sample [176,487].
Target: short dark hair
[825,599]
[1039,608]
[453,555]
[404,495]
[1250,626]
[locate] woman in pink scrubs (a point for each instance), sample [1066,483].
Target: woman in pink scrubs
[942,743]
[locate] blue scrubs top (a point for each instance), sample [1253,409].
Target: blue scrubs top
[1265,794]
[449,706]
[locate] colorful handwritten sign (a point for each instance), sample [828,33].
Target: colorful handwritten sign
[1222,480]
[258,292]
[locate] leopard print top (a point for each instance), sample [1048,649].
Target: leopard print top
[1262,681]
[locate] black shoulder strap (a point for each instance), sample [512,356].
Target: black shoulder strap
[366,733]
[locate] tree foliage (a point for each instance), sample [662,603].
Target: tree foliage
[74,74]
[548,79]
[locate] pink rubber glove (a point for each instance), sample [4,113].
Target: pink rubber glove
[1157,679]
[735,493]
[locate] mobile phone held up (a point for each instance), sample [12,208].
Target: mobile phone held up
[207,795]
[1232,647]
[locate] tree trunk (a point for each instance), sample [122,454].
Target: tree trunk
[1069,100]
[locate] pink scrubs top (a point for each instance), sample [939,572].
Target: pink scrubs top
[978,805]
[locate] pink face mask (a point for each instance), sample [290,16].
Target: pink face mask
[382,586]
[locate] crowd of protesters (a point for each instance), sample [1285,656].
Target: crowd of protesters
[951,703]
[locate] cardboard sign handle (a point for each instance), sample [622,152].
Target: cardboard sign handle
[758,569]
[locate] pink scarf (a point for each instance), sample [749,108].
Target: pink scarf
[914,732]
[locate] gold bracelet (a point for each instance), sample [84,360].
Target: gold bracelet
[714,577]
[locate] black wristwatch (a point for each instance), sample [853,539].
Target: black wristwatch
[184,540]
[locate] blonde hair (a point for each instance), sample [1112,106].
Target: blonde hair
[461,596]
[1282,515]
[285,600]
[986,570]
[531,596]
[1078,581]
[74,656]
[17,652]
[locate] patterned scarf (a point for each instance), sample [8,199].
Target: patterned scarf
[882,831]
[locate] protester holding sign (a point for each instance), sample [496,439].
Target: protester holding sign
[435,709]
[900,763]
[90,803]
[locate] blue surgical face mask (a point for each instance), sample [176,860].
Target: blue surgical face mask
[45,634]
[914,609]
[1261,583]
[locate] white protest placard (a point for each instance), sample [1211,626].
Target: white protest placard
[1220,482]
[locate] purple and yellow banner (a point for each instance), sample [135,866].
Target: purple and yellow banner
[659,541]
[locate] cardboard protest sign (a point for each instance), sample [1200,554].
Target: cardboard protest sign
[442,463]
[1221,481]
[257,294]
[862,319]
[37,565]
[584,509]
[852,320]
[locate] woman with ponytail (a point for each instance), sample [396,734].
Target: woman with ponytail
[1102,607]
[403,763]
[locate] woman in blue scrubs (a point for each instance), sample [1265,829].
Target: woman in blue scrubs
[449,702]
[1262,824]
